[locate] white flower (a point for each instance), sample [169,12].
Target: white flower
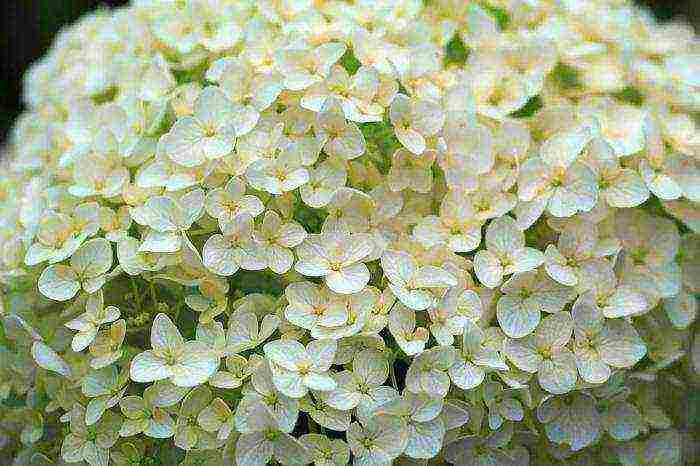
[324,451]
[134,262]
[378,441]
[410,282]
[59,235]
[297,369]
[650,245]
[185,363]
[450,313]
[620,187]
[274,239]
[169,218]
[336,256]
[466,152]
[409,171]
[262,440]
[106,349]
[145,415]
[324,180]
[602,344]
[225,254]
[579,244]
[261,390]
[227,203]
[90,443]
[557,179]
[88,324]
[104,387]
[338,137]
[613,298]
[210,133]
[474,359]
[217,418]
[362,387]
[623,421]
[281,174]
[100,172]
[576,423]
[505,253]
[525,296]
[428,371]
[87,270]
[415,120]
[402,325]
[502,405]
[492,450]
[545,353]
[325,415]
[363,95]
[621,126]
[254,92]
[302,67]
[245,332]
[458,226]
[425,428]
[358,308]
[310,306]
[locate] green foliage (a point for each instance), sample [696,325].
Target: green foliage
[350,62]
[566,76]
[456,53]
[532,106]
[630,95]
[501,15]
[381,143]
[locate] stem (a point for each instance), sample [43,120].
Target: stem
[137,296]
[153,295]
[178,307]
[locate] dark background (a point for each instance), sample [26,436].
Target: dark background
[27,28]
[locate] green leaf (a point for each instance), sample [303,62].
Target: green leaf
[455,51]
[350,62]
[531,107]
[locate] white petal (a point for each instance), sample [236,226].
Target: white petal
[147,367]
[58,282]
[48,359]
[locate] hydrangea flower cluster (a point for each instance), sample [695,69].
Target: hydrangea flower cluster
[354,232]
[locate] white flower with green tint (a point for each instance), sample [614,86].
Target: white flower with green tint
[545,352]
[90,443]
[87,270]
[184,363]
[88,323]
[296,369]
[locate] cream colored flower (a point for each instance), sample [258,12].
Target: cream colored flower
[337,256]
[210,133]
[88,324]
[87,271]
[505,253]
[227,203]
[415,120]
[410,282]
[296,369]
[184,363]
[275,238]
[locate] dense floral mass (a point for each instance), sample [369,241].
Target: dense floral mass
[364,232]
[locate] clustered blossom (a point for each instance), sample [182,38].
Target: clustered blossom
[353,232]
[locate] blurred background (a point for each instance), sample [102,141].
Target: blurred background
[28,26]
